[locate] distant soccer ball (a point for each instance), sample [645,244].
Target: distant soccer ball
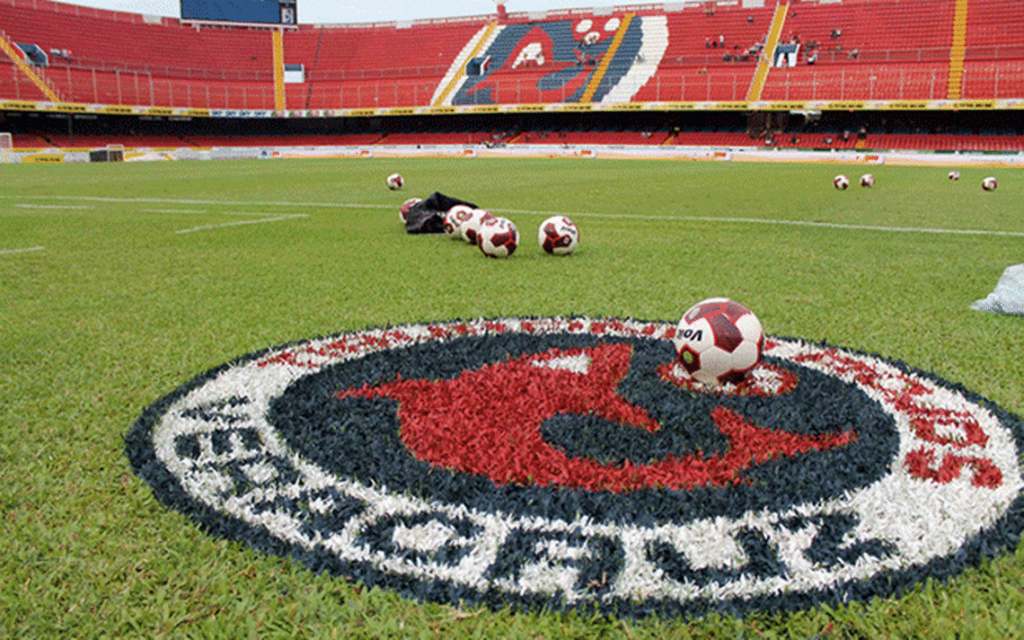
[558,236]
[395,182]
[454,218]
[498,238]
[867,180]
[403,211]
[840,182]
[719,341]
[954,175]
[471,227]
[989,184]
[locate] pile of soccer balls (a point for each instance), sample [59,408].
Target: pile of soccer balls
[718,341]
[496,237]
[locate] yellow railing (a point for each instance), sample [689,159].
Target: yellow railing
[957,52]
[765,63]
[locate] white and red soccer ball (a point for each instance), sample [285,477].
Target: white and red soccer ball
[718,341]
[498,238]
[454,218]
[471,225]
[558,236]
[403,211]
[841,182]
[954,175]
[989,184]
[867,180]
[395,181]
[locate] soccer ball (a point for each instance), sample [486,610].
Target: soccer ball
[403,211]
[954,175]
[454,219]
[867,180]
[451,225]
[471,227]
[558,236]
[498,238]
[395,182]
[840,182]
[719,341]
[989,184]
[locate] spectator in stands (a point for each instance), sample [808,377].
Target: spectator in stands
[813,58]
[836,33]
[853,54]
[707,43]
[721,41]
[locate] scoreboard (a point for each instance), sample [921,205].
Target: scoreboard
[264,11]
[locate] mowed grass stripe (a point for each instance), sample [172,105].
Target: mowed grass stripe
[569,214]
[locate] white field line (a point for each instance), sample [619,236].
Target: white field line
[580,214]
[219,213]
[241,222]
[4,252]
[53,206]
[795,223]
[230,203]
[174,210]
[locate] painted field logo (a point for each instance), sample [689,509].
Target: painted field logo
[558,463]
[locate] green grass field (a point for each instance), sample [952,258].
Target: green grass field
[120,282]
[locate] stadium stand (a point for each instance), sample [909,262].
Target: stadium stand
[994,53]
[359,66]
[711,54]
[862,50]
[848,50]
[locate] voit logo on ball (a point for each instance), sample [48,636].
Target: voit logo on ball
[575,463]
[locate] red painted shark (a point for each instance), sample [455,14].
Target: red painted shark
[488,421]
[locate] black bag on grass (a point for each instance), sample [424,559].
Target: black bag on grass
[427,216]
